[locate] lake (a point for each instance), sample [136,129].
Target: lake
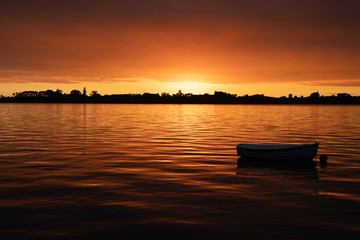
[104,171]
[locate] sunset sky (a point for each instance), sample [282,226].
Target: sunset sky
[273,47]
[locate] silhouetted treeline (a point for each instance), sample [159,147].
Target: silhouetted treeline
[76,96]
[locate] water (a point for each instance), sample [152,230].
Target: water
[171,172]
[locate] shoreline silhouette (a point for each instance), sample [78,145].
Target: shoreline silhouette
[219,97]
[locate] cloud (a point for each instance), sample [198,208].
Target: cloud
[59,77]
[224,41]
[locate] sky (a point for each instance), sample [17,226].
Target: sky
[271,47]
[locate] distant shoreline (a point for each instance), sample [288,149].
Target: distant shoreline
[76,96]
[149,103]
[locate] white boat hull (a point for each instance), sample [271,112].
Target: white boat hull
[278,152]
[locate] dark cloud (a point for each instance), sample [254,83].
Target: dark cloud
[261,40]
[281,12]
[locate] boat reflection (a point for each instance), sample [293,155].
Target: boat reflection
[306,166]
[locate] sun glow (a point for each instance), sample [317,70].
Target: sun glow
[192,87]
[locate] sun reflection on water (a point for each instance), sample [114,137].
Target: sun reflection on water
[108,166]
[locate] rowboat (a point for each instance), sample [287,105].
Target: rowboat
[278,152]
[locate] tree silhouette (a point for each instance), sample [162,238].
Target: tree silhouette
[315,95]
[75,96]
[94,94]
[75,93]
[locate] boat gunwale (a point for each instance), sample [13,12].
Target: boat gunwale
[283,149]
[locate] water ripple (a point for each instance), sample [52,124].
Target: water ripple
[103,167]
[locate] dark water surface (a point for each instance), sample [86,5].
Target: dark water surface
[122,171]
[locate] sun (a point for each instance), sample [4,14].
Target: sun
[190,83]
[192,87]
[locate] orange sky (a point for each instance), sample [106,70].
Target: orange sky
[243,47]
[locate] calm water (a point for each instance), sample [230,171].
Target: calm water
[171,172]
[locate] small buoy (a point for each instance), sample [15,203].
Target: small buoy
[323,159]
